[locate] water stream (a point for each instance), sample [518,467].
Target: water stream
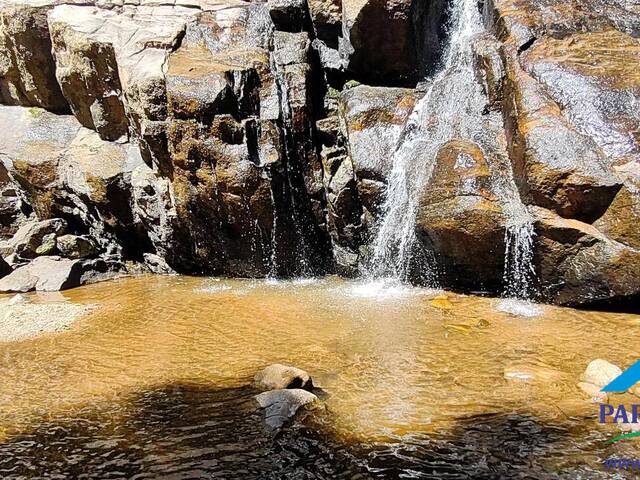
[452,107]
[435,120]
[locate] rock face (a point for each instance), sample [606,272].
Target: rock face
[461,218]
[391,41]
[234,138]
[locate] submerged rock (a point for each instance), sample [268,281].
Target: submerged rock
[281,405]
[279,376]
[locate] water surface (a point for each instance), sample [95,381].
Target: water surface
[419,383]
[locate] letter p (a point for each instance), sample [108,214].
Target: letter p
[606,410]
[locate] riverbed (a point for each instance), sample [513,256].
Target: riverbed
[153,383]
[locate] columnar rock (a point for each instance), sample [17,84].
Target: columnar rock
[27,70]
[87,70]
[220,187]
[302,191]
[345,216]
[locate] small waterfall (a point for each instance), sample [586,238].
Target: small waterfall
[518,261]
[449,109]
[453,107]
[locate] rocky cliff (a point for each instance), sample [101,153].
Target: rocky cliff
[253,139]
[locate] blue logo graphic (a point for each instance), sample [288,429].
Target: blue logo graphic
[626,380]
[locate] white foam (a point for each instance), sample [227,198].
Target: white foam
[519,308]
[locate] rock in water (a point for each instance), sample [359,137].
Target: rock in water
[279,376]
[53,273]
[600,373]
[19,298]
[282,405]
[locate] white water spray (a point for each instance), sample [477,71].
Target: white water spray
[449,109]
[453,107]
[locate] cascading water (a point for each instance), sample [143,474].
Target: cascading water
[454,107]
[449,109]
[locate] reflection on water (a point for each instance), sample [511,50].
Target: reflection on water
[153,384]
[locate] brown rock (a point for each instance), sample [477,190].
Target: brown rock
[578,265]
[461,220]
[27,70]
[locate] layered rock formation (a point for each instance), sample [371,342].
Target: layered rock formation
[231,137]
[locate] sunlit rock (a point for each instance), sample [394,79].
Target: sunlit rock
[578,265]
[279,376]
[75,246]
[45,274]
[594,392]
[460,218]
[600,373]
[29,239]
[373,119]
[27,70]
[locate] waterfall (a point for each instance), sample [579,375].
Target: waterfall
[452,107]
[449,109]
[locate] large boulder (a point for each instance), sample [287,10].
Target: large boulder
[578,265]
[31,239]
[44,274]
[75,246]
[556,166]
[569,96]
[67,171]
[461,220]
[49,274]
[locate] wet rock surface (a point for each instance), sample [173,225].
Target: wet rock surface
[233,138]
